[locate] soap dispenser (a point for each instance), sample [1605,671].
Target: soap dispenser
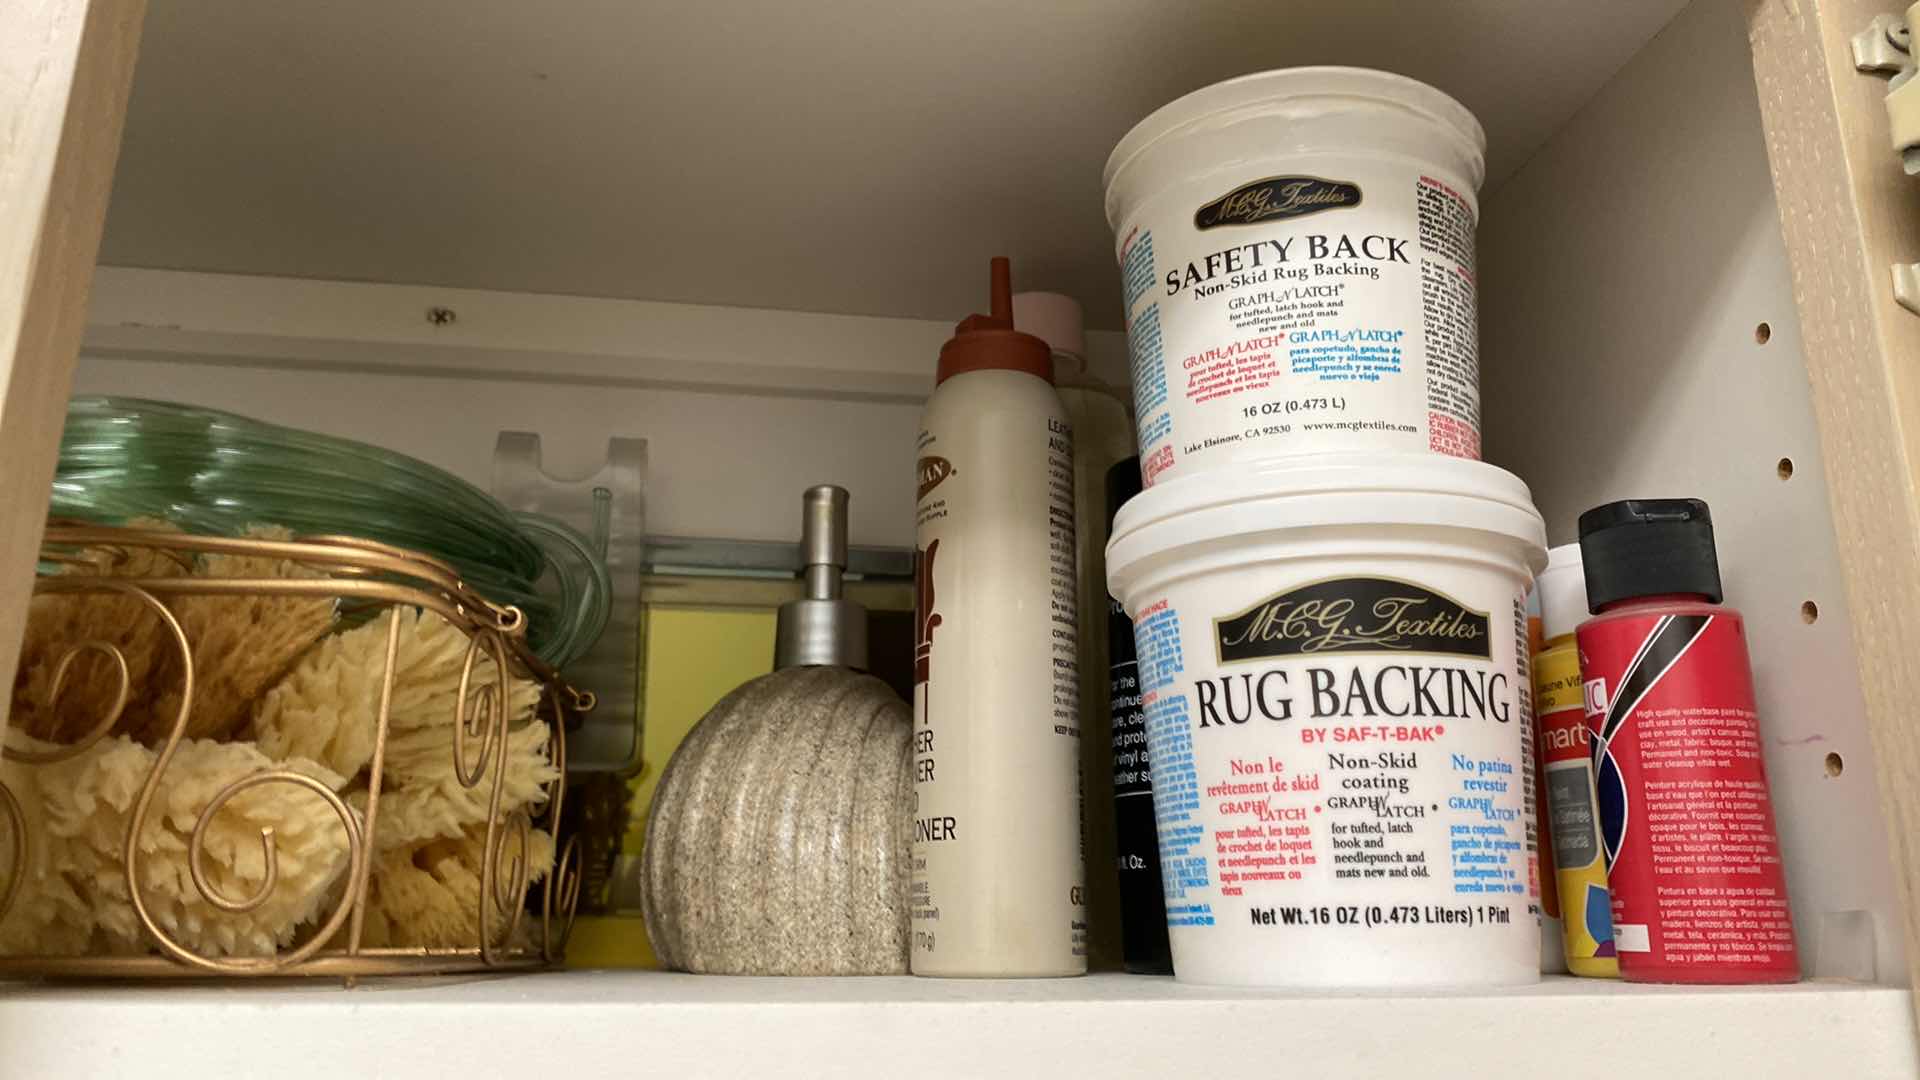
[778,839]
[823,628]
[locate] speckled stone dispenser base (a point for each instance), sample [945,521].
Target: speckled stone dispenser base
[778,841]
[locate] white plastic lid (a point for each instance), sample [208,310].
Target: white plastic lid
[1563,591]
[1053,318]
[1385,490]
[1268,87]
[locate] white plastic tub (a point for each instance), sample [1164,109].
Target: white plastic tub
[1332,661]
[1296,252]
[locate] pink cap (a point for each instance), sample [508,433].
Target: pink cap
[1054,318]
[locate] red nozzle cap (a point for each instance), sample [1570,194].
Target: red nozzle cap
[990,343]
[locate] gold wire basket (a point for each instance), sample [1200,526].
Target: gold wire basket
[370,576]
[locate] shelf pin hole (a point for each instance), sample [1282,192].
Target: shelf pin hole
[1809,612]
[1785,468]
[1762,334]
[1835,765]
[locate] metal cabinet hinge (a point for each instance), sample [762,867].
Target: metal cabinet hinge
[1886,47]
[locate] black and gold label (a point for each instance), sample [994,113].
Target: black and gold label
[1276,197]
[1359,614]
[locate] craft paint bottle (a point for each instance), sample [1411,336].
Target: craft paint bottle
[1573,855]
[997,861]
[1553,954]
[1143,903]
[1693,858]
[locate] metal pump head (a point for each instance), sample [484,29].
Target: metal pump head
[824,629]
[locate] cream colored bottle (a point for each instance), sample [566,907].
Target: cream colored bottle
[997,862]
[1102,436]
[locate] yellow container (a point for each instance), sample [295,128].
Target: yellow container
[1573,811]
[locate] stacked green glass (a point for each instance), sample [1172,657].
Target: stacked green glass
[217,473]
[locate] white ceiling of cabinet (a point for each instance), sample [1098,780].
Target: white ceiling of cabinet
[855,156]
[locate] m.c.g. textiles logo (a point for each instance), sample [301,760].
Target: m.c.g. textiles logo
[1276,197]
[1362,614]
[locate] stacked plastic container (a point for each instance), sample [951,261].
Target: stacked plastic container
[1328,587]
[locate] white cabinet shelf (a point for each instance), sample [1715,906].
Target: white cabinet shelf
[605,1023]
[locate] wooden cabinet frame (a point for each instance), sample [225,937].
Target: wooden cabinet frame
[1848,213]
[65,70]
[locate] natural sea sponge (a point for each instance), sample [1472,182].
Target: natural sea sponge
[75,896]
[241,644]
[422,799]
[428,895]
[327,707]
[48,915]
[57,622]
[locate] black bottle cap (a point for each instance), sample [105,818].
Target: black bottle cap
[1123,483]
[1648,547]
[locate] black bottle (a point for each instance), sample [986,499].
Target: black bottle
[1143,906]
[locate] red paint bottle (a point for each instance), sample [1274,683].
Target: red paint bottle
[1693,858]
